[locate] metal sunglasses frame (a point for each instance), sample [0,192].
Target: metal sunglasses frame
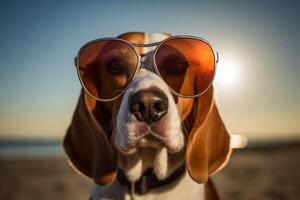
[138,65]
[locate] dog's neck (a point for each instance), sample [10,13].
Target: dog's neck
[175,190]
[169,168]
[149,181]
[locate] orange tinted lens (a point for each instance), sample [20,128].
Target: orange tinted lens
[106,67]
[187,65]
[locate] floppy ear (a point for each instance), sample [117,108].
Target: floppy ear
[208,148]
[87,146]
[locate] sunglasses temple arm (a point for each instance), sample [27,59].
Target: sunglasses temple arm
[75,61]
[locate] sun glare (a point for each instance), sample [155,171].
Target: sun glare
[227,73]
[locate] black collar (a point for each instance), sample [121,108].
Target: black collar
[148,180]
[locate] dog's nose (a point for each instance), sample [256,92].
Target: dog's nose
[148,106]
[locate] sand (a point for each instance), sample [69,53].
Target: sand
[262,173]
[257,173]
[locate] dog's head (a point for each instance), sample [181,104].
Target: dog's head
[147,115]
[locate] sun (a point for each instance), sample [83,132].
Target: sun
[227,73]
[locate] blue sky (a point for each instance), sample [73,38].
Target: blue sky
[39,85]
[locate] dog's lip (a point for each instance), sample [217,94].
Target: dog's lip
[166,142]
[150,135]
[157,136]
[147,139]
[157,141]
[150,141]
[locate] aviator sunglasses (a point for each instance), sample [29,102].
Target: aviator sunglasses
[107,66]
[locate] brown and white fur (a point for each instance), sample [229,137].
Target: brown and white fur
[191,132]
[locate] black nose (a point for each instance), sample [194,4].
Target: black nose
[148,106]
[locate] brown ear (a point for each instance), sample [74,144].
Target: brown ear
[87,146]
[208,147]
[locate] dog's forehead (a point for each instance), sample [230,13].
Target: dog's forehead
[144,38]
[146,53]
[152,38]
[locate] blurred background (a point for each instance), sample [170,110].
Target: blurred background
[257,85]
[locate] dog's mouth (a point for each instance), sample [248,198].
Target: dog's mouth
[150,139]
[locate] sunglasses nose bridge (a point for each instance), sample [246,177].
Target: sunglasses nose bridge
[147,62]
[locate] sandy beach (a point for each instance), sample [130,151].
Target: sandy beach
[255,173]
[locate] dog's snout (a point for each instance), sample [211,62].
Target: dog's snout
[148,106]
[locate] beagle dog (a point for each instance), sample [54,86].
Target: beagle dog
[127,158]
